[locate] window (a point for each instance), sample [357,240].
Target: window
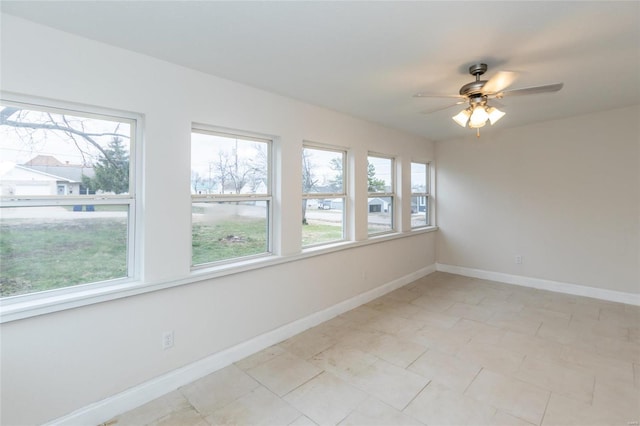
[230,197]
[68,201]
[323,195]
[380,171]
[420,195]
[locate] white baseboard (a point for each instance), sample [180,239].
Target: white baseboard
[129,399]
[559,287]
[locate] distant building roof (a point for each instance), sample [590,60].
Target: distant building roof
[44,160]
[51,165]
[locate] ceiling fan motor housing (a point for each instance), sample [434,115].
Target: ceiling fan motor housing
[475,87]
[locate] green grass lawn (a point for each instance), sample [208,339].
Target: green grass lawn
[43,256]
[314,233]
[37,256]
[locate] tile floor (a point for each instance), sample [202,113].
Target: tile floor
[443,350]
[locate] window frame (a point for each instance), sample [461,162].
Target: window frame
[426,194]
[392,194]
[131,199]
[344,195]
[225,198]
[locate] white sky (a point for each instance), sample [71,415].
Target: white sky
[18,145]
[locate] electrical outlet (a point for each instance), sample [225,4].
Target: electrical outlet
[167,340]
[518,259]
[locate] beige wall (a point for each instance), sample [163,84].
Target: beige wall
[563,194]
[57,363]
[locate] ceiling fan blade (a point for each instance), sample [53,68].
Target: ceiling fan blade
[427,95]
[499,82]
[429,111]
[531,90]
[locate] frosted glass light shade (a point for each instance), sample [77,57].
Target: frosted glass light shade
[478,117]
[494,114]
[462,117]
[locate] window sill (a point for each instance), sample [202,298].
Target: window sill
[16,309]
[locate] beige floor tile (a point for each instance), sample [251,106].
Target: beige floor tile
[626,316]
[441,338]
[186,417]
[623,397]
[564,411]
[390,384]
[604,368]
[362,314]
[609,347]
[469,296]
[559,334]
[218,389]
[284,373]
[503,419]
[492,357]
[335,328]
[500,305]
[373,412]
[307,344]
[343,359]
[434,318]
[259,407]
[389,323]
[362,338]
[433,304]
[472,312]
[451,371]
[396,351]
[478,331]
[439,405]
[510,395]
[260,357]
[154,410]
[529,297]
[597,328]
[403,294]
[514,322]
[303,421]
[547,316]
[326,399]
[559,376]
[446,348]
[530,345]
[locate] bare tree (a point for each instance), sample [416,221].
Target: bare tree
[27,123]
[309,181]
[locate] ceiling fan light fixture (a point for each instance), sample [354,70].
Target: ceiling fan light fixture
[494,115]
[478,117]
[462,117]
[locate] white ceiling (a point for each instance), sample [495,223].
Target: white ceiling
[367,59]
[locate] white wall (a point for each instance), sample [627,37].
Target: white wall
[564,194]
[56,363]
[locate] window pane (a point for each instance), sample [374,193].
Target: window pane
[60,154]
[45,248]
[419,177]
[419,211]
[226,230]
[380,214]
[322,171]
[324,220]
[379,174]
[228,165]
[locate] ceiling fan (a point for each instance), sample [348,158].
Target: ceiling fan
[478,92]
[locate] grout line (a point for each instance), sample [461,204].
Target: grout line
[472,380]
[416,395]
[545,408]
